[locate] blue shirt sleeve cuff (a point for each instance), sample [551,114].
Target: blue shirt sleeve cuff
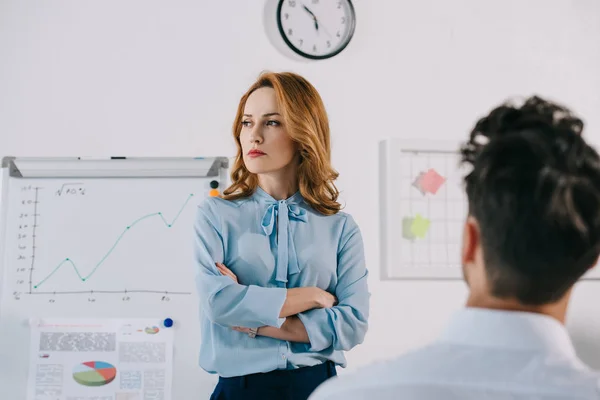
[316,323]
[267,303]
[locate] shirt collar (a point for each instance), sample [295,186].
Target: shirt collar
[513,330]
[260,194]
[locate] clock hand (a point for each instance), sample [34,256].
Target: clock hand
[313,16]
[308,11]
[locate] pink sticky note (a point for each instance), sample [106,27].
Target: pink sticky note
[431,181]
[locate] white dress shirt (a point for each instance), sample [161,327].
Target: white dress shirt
[482,355]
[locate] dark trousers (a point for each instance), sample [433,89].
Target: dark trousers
[294,384]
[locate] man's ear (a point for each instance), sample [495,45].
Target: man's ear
[471,241]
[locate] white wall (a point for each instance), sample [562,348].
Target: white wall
[149,78]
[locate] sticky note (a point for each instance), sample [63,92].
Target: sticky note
[419,226]
[417,183]
[406,228]
[431,181]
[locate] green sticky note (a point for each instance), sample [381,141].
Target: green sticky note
[419,226]
[406,228]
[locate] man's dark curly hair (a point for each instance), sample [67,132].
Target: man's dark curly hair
[534,190]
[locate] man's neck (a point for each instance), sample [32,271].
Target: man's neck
[556,310]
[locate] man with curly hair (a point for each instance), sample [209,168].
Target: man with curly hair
[532,230]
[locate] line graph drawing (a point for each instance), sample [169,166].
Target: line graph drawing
[84,278]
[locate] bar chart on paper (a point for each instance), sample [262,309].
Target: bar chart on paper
[423,210]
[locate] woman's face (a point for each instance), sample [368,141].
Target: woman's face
[266,145]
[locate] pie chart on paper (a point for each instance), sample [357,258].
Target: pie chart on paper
[94,373]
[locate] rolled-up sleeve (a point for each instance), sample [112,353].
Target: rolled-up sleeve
[344,325]
[223,301]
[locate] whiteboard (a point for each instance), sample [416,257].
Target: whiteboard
[423,207]
[102,238]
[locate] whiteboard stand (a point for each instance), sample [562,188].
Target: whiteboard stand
[113,239]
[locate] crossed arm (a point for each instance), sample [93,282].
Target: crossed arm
[292,329]
[307,315]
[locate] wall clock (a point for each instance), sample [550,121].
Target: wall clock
[315,29]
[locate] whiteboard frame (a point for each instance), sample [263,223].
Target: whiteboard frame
[389,160]
[115,167]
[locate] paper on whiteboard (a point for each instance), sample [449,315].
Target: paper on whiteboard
[100,359]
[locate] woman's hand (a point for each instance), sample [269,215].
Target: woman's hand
[241,329]
[292,330]
[226,271]
[325,299]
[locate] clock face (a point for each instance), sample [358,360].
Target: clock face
[316,29]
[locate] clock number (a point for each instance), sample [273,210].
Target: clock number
[286,15]
[314,47]
[292,3]
[315,1]
[290,31]
[328,44]
[301,41]
[338,34]
[343,20]
[339,4]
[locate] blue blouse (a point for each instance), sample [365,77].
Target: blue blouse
[272,245]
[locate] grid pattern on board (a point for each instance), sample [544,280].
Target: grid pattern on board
[432,206]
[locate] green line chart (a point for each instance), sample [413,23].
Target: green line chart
[68,261]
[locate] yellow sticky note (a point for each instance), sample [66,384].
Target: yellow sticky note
[407,228]
[419,226]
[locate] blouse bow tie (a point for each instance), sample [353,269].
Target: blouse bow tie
[287,259]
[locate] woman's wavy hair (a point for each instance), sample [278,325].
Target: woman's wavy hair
[307,124]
